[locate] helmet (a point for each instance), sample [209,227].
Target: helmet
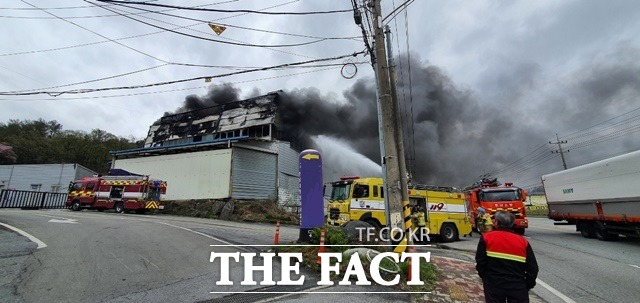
[481,210]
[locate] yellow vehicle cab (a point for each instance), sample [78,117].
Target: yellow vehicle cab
[355,198]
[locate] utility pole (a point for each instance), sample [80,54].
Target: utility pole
[559,150]
[395,184]
[404,175]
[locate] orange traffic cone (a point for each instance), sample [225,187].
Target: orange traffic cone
[321,249]
[276,238]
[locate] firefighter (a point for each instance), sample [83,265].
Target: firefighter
[483,221]
[506,263]
[419,220]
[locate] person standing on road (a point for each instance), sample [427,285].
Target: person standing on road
[506,263]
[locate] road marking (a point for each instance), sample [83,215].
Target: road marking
[125,265]
[71,221]
[636,266]
[202,234]
[555,291]
[26,234]
[156,266]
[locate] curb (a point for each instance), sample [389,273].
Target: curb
[444,246]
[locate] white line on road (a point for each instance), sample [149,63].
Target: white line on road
[156,266]
[555,291]
[202,234]
[636,266]
[26,234]
[125,265]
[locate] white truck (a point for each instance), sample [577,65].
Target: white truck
[601,198]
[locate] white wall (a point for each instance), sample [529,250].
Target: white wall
[49,177]
[196,175]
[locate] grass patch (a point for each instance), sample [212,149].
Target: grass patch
[537,211]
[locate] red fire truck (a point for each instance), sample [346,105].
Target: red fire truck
[131,192]
[493,197]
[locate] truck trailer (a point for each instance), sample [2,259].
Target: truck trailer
[601,198]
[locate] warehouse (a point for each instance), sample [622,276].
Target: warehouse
[231,150]
[41,177]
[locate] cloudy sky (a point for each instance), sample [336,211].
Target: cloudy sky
[492,82]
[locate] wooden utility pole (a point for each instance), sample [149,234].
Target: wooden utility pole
[395,175]
[560,151]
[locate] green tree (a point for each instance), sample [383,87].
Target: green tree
[42,142]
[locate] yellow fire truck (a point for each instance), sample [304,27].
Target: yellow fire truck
[355,198]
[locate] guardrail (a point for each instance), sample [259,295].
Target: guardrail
[24,199]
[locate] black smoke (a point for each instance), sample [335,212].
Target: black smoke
[456,134]
[216,95]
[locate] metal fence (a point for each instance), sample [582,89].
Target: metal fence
[31,199]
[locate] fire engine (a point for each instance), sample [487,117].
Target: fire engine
[131,192]
[355,198]
[493,197]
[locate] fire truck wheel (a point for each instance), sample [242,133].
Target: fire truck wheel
[76,206]
[119,207]
[448,232]
[519,231]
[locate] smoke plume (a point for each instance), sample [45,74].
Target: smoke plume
[457,135]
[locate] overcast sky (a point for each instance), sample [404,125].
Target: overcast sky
[493,80]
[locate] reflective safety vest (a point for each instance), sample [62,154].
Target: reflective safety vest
[419,218]
[506,245]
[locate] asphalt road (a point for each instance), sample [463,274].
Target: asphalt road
[586,270]
[108,257]
[583,270]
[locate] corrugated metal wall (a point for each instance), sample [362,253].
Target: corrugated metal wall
[254,174]
[40,177]
[288,175]
[194,175]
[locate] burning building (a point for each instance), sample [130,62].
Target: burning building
[233,149]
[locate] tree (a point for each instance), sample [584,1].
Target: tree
[43,142]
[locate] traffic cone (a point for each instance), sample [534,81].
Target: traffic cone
[276,238]
[321,249]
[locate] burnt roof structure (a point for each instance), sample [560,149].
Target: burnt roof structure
[250,119]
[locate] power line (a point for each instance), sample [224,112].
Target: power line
[98,34]
[600,123]
[357,16]
[397,11]
[101,16]
[610,126]
[226,10]
[620,133]
[142,35]
[237,26]
[23,75]
[516,161]
[170,90]
[410,164]
[209,39]
[406,31]
[559,150]
[91,90]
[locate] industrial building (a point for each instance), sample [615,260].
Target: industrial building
[41,177]
[231,150]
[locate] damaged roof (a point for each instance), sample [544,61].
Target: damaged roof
[261,110]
